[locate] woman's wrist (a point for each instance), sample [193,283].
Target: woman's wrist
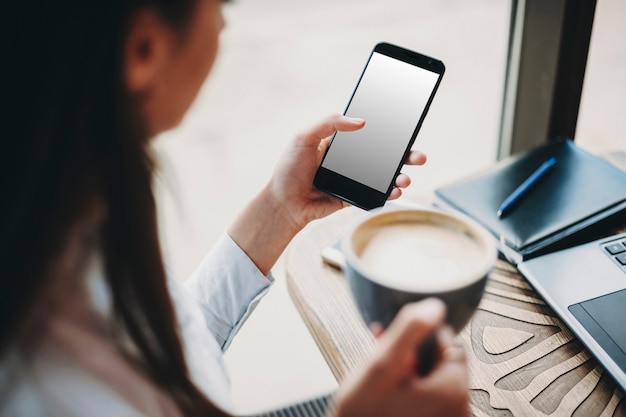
[264,229]
[286,217]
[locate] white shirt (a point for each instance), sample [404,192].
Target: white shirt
[211,307]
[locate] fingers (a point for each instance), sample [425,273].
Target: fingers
[338,122]
[389,385]
[413,324]
[450,349]
[416,158]
[451,370]
[395,194]
[377,330]
[403,180]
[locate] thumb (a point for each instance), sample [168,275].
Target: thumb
[334,123]
[413,325]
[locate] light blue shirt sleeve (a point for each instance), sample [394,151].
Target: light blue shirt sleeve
[228,286]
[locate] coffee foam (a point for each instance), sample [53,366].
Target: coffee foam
[421,257]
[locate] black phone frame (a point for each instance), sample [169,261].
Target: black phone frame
[354,192]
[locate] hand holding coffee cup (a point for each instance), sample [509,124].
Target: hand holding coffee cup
[402,256]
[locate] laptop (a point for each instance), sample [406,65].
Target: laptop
[586,286]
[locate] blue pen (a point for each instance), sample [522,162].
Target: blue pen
[519,192]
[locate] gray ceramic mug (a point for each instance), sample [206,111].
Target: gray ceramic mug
[402,256]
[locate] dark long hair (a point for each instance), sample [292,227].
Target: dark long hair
[72,137]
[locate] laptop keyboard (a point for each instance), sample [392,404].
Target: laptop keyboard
[616,250]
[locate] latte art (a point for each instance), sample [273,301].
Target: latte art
[421,256]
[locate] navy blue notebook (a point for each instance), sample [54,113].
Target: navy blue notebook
[579,199]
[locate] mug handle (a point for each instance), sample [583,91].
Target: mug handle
[427,355]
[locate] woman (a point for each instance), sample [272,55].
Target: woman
[90,325]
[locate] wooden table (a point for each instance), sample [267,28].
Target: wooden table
[523,361]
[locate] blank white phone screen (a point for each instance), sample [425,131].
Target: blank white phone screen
[391,97]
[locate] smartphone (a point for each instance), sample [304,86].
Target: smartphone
[393,95]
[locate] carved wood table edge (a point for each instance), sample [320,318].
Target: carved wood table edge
[523,361]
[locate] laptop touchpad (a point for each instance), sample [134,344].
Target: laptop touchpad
[604,318]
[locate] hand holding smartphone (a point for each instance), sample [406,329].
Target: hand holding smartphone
[393,95]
